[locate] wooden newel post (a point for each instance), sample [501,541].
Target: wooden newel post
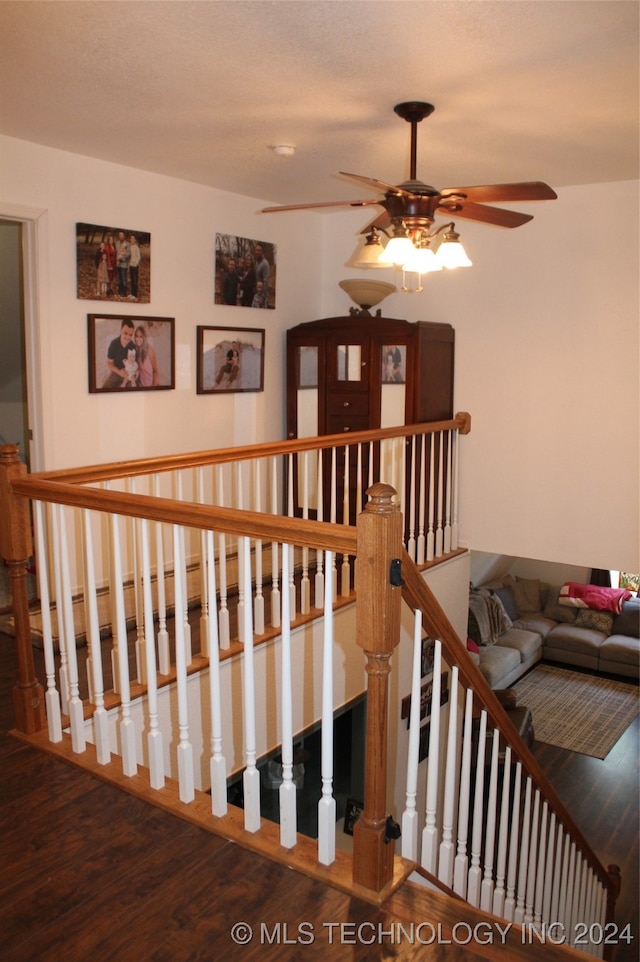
[378,602]
[16,548]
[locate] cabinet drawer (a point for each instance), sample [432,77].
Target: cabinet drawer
[343,423]
[348,404]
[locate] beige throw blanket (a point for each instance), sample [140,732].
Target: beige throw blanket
[491,618]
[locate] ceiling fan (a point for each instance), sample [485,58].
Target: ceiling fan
[410,207]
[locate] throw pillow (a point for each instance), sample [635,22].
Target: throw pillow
[600,620]
[508,601]
[526,592]
[471,646]
[628,621]
[557,612]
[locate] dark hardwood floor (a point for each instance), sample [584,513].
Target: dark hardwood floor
[162,889]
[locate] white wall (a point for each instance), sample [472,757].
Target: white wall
[547,352]
[183,218]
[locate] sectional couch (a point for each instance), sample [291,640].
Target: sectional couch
[515,624]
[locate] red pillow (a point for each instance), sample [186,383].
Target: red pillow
[471,646]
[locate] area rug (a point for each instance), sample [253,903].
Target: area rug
[580,712]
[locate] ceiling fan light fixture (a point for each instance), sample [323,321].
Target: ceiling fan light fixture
[451,253]
[422,260]
[372,253]
[399,249]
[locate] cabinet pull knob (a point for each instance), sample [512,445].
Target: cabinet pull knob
[291,434]
[346,429]
[345,404]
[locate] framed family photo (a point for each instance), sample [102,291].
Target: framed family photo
[245,272]
[130,353]
[229,359]
[394,363]
[113,263]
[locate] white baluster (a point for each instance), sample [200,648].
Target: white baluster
[542,848]
[571,896]
[510,900]
[475,872]
[486,889]
[287,790]
[447,850]
[549,872]
[305,585]
[333,515]
[456,490]
[554,912]
[127,724]
[439,514]
[275,569]
[430,832]
[518,915]
[327,803]
[180,571]
[218,766]
[345,578]
[432,488]
[564,880]
[100,716]
[411,540]
[497,907]
[410,815]
[184,750]
[258,602]
[223,611]
[447,507]
[251,775]
[318,588]
[290,572]
[242,600]
[155,743]
[204,598]
[164,660]
[63,672]
[137,593]
[421,543]
[461,864]
[76,713]
[52,696]
[531,866]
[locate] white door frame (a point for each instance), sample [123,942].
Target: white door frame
[34,223]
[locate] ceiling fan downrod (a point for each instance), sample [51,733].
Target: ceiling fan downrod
[413,111]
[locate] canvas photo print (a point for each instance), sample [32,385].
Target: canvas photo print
[129,354]
[229,359]
[245,272]
[113,264]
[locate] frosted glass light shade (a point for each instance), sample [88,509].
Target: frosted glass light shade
[422,260]
[397,251]
[366,293]
[452,254]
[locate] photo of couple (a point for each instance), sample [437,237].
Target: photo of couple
[130,353]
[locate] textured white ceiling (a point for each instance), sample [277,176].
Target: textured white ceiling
[542,90]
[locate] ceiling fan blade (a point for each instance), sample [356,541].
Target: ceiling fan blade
[322,203]
[488,215]
[380,184]
[531,190]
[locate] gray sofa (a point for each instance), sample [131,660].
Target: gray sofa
[538,626]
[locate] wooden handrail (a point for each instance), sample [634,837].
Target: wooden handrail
[176,462]
[418,595]
[298,531]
